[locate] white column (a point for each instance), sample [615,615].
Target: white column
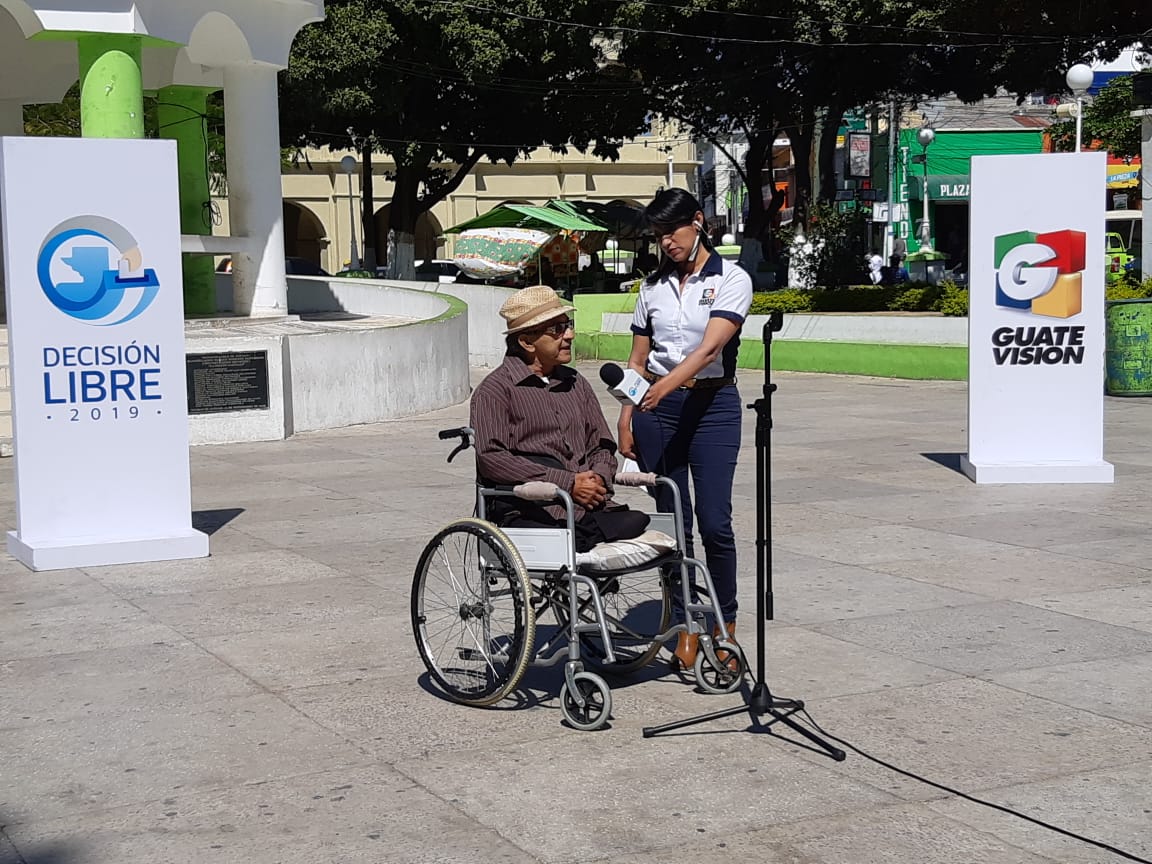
[1145,188]
[11,118]
[254,193]
[11,123]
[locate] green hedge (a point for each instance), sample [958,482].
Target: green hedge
[1129,290]
[946,298]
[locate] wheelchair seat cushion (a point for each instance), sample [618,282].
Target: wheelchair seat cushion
[627,554]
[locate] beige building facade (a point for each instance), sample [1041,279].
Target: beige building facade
[319,212]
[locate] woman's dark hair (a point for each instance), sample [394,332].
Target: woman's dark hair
[669,210]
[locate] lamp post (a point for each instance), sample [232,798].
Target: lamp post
[348,164]
[1079,79]
[926,135]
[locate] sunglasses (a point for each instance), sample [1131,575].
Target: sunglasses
[557,328]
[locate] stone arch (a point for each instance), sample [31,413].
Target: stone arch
[24,16]
[217,40]
[304,235]
[32,70]
[429,236]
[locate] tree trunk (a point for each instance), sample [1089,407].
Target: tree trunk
[759,153]
[408,205]
[801,137]
[368,211]
[403,214]
[826,153]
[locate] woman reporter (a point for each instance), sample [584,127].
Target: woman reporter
[686,332]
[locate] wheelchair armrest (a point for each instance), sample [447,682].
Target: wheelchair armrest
[636,478]
[537,490]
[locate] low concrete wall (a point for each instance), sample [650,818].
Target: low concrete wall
[867,329]
[226,427]
[380,297]
[485,326]
[361,297]
[344,378]
[348,376]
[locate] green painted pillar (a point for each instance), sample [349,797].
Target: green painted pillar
[180,113]
[111,88]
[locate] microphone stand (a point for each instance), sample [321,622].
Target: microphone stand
[759,701]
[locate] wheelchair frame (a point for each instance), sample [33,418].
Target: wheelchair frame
[547,573]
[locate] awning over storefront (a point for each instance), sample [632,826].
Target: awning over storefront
[941,187]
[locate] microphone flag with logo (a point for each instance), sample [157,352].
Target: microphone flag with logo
[627,386]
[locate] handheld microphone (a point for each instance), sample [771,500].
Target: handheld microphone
[627,386]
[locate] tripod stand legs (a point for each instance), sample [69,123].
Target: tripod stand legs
[760,703]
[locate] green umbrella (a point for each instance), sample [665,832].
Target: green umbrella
[527,216]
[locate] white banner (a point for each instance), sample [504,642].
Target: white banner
[1036,320]
[94,290]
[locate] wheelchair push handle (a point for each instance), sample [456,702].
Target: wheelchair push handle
[464,433]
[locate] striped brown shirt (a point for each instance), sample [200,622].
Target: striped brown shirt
[518,416]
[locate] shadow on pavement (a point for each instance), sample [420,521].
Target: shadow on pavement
[211,521]
[53,853]
[948,460]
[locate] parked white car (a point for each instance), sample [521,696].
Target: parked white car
[437,270]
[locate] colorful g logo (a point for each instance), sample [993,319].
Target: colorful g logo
[90,268]
[1040,273]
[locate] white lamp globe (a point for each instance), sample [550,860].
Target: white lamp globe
[1079,78]
[926,135]
[611,243]
[348,164]
[728,239]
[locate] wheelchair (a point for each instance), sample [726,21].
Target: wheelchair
[479,591]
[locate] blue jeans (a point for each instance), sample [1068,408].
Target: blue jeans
[698,433]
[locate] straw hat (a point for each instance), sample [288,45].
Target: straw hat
[531,306]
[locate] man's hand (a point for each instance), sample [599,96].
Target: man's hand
[588,490]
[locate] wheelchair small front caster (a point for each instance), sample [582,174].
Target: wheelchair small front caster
[597,698]
[719,678]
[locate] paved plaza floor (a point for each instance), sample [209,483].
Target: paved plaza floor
[267,704]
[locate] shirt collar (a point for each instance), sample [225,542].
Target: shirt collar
[714,266]
[519,373]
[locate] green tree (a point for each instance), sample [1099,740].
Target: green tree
[440,86]
[1107,120]
[745,69]
[752,68]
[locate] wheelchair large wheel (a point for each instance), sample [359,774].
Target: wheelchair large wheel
[472,613]
[638,607]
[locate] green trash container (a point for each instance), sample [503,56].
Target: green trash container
[1128,347]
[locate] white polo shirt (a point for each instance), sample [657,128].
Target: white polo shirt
[676,322]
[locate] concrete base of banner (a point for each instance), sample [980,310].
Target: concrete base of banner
[1038,472]
[61,555]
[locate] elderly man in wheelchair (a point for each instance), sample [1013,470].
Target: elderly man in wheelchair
[547,536]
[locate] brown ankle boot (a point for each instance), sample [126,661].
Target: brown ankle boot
[687,644]
[727,657]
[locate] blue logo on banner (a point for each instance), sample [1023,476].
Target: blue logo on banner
[91,269]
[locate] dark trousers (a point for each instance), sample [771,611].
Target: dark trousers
[697,434]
